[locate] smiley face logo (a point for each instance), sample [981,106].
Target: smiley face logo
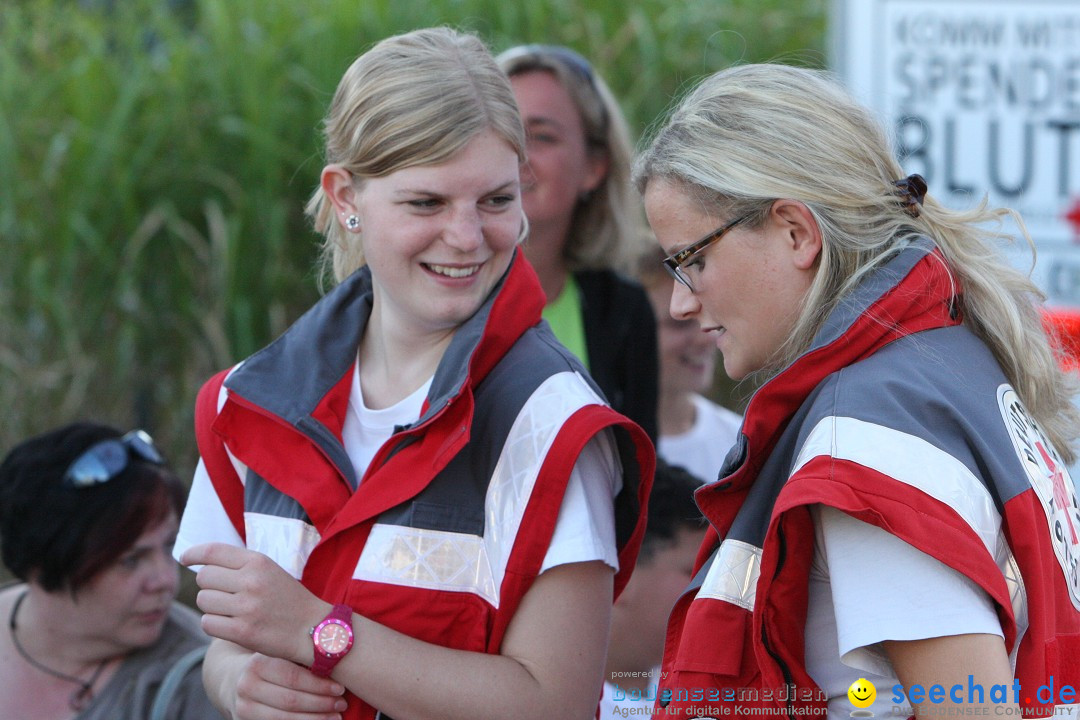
[862,693]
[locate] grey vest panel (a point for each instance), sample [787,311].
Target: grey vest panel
[752,521]
[939,385]
[263,498]
[454,500]
[872,288]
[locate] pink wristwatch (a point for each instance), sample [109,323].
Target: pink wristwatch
[332,638]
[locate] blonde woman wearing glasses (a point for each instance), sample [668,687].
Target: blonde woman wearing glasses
[898,512]
[585,228]
[695,432]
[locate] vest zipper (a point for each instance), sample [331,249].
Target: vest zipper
[409,434]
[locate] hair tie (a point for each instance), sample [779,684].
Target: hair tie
[912,191]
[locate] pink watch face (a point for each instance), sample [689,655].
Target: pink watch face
[333,637]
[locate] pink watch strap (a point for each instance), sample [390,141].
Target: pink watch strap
[324,662]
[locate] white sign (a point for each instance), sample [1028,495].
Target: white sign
[983,98]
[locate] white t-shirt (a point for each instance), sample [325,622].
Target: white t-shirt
[584,531]
[702,448]
[366,430]
[867,586]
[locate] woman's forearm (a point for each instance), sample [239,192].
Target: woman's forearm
[551,663]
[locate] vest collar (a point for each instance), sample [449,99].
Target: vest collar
[912,291]
[313,356]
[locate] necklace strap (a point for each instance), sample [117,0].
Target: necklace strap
[79,698]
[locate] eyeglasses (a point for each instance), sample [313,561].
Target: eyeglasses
[570,58]
[105,460]
[675,263]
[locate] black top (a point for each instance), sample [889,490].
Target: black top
[620,337]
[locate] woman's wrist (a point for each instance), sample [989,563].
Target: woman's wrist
[305,647]
[221,670]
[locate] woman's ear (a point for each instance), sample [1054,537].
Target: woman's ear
[801,231]
[597,164]
[338,186]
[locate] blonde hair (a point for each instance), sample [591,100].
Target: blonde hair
[412,99]
[750,134]
[607,230]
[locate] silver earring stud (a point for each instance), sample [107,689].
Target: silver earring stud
[352,223]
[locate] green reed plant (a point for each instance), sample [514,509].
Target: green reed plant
[155,158]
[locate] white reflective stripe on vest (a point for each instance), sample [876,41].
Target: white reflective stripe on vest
[733,575]
[435,559]
[921,465]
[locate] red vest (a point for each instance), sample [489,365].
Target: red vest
[412,546]
[910,374]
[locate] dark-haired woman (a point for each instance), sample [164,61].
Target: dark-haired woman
[87,522]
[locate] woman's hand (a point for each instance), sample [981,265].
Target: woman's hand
[250,686]
[551,662]
[249,600]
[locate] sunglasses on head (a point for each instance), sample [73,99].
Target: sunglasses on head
[565,55]
[542,56]
[103,461]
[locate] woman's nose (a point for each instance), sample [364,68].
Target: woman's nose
[684,304]
[164,574]
[465,230]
